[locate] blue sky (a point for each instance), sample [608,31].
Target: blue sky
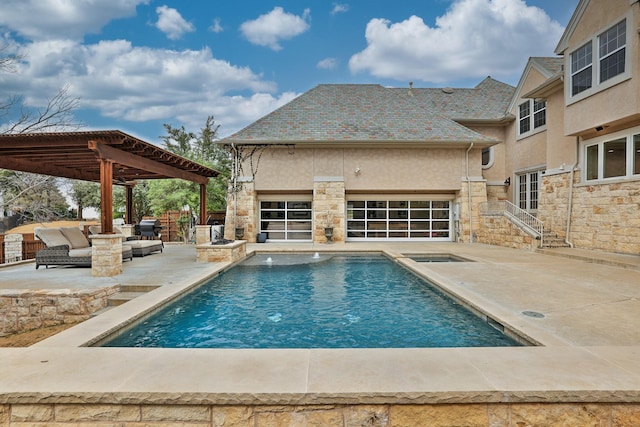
[136,64]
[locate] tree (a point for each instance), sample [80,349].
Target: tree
[37,196]
[202,148]
[85,195]
[33,197]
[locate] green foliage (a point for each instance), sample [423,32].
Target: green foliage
[85,195]
[202,148]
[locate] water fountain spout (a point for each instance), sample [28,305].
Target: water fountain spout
[316,255]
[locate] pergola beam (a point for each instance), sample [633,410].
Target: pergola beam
[106,152]
[44,169]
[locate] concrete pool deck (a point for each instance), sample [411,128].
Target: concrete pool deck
[589,331]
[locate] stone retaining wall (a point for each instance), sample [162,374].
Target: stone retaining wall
[440,415]
[498,230]
[22,311]
[603,217]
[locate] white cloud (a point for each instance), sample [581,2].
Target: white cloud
[269,29]
[172,23]
[339,8]
[68,19]
[138,84]
[215,26]
[475,38]
[328,64]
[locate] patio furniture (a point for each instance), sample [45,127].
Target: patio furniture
[67,246]
[139,247]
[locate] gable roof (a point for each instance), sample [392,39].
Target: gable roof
[371,113]
[551,68]
[571,26]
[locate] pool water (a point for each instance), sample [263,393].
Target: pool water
[313,302]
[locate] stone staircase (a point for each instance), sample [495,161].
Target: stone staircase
[552,240]
[126,294]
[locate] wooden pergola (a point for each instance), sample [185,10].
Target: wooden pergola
[107,157]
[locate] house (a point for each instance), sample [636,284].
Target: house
[586,158]
[421,164]
[373,163]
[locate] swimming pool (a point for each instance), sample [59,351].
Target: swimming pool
[313,301]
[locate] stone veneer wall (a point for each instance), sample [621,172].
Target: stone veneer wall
[478,196]
[247,214]
[328,210]
[22,311]
[436,415]
[603,217]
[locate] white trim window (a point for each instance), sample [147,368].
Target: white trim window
[487,157]
[582,69]
[612,45]
[532,115]
[286,220]
[611,67]
[528,190]
[611,157]
[402,219]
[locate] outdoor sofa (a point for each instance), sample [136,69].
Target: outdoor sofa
[67,246]
[139,247]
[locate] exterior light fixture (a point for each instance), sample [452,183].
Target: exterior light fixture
[507,182]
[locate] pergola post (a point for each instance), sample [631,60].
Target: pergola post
[129,205]
[106,196]
[203,204]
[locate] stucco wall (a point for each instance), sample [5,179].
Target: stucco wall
[379,169]
[617,102]
[561,149]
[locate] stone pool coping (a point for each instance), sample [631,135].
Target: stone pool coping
[60,370]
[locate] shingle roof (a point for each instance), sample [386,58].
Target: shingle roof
[365,112]
[553,65]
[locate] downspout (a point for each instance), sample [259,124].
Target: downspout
[235,186]
[469,194]
[570,202]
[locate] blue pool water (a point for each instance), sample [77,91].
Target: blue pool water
[313,302]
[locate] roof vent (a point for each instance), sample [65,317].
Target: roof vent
[448,90]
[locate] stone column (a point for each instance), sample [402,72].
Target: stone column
[478,196]
[247,213]
[127,230]
[12,248]
[106,256]
[328,208]
[203,234]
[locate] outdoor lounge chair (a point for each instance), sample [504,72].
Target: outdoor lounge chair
[139,247]
[67,246]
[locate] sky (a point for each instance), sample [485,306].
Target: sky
[135,65]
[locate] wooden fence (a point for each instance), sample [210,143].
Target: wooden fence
[29,247]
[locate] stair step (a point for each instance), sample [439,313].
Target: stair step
[122,297]
[138,288]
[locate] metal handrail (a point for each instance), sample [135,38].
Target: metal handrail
[504,207]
